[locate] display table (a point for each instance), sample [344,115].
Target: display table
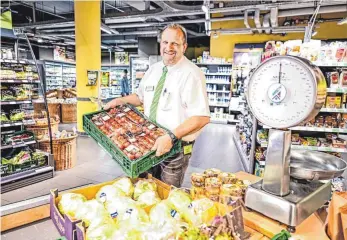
[260,227]
[311,228]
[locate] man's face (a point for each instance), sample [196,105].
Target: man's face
[172,46]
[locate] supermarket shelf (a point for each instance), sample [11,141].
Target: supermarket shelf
[19,81]
[26,178]
[243,157]
[212,82]
[22,61]
[333,64]
[14,102]
[24,122]
[218,105]
[334,110]
[18,145]
[222,64]
[218,74]
[219,121]
[337,90]
[217,91]
[315,129]
[319,129]
[312,148]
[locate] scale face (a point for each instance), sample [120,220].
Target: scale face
[282,91]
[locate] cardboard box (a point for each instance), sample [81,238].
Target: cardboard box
[67,226]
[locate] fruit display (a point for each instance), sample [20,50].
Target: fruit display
[129,131]
[17,92]
[117,212]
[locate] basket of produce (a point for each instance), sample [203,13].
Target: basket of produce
[17,138]
[128,136]
[64,149]
[40,128]
[18,160]
[69,111]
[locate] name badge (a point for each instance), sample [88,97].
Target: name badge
[149,88]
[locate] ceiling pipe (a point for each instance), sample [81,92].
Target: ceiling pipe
[257,20]
[309,11]
[266,23]
[249,31]
[196,34]
[245,19]
[40,10]
[274,17]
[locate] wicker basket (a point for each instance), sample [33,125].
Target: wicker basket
[69,113]
[64,152]
[41,130]
[39,108]
[54,109]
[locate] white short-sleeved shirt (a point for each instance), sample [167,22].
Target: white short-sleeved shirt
[184,94]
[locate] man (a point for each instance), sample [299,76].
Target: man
[124,84]
[173,93]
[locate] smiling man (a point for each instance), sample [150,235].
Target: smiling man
[173,93]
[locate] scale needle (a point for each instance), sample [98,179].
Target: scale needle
[280,73]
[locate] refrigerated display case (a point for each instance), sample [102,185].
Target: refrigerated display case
[116,74]
[138,68]
[59,75]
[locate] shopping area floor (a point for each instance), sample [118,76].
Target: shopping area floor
[214,148]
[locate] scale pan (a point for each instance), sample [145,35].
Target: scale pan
[314,165]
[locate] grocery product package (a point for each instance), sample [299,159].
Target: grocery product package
[337,220]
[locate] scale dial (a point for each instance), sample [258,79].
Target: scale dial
[285,91]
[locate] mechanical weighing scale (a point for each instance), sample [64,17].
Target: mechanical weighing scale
[283,92]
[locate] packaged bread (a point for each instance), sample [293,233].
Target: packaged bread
[227,178]
[213,197]
[198,179]
[212,190]
[197,192]
[213,182]
[213,172]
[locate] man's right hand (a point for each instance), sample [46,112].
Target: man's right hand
[112,104]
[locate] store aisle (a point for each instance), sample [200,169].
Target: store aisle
[214,148]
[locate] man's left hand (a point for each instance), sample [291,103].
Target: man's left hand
[163,145]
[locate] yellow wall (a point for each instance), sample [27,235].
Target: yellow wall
[223,46]
[194,52]
[88,54]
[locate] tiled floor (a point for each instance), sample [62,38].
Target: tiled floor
[213,148]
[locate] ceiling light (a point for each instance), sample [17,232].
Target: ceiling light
[104,47]
[342,21]
[204,8]
[39,40]
[215,35]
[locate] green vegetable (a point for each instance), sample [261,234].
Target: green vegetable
[3,117]
[5,161]
[20,158]
[192,234]
[143,186]
[283,235]
[125,185]
[17,116]
[70,202]
[40,157]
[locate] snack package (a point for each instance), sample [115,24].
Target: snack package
[213,172]
[198,179]
[343,79]
[226,178]
[333,102]
[197,192]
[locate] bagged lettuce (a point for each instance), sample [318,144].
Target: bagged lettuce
[101,229]
[162,213]
[117,206]
[179,199]
[127,233]
[148,199]
[91,210]
[169,230]
[107,193]
[70,202]
[143,186]
[125,185]
[133,216]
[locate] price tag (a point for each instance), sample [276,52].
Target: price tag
[127,110]
[12,102]
[10,81]
[188,149]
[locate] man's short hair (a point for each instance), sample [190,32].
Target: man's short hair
[176,27]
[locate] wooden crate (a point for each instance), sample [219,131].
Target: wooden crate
[67,226]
